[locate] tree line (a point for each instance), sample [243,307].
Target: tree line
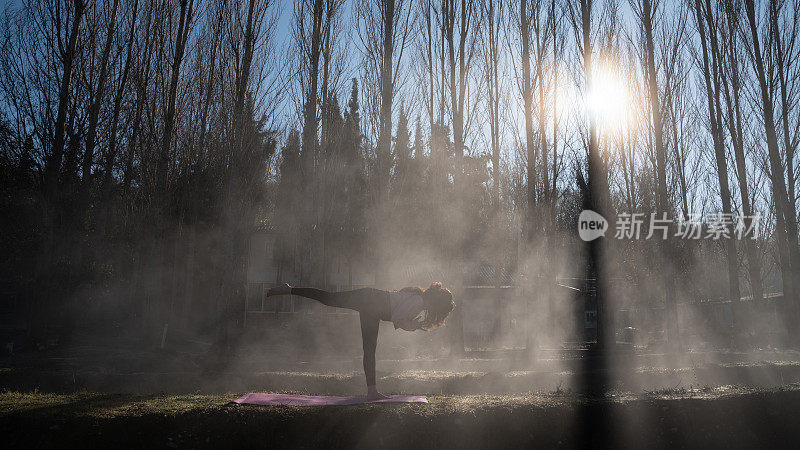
[142,142]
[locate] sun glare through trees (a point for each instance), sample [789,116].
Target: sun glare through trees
[546,223]
[608,99]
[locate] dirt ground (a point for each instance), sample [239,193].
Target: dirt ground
[706,418]
[108,396]
[123,368]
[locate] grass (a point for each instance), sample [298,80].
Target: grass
[96,405]
[730,415]
[652,407]
[103,406]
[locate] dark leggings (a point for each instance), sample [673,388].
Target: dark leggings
[372,306]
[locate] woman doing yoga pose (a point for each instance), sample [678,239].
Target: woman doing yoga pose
[410,309]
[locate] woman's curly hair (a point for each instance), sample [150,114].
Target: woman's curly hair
[437,304]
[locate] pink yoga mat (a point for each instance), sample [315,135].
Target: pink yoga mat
[255,398]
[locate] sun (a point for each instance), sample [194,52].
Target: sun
[608,99]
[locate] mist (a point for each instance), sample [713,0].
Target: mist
[165,164]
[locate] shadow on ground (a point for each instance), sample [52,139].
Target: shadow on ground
[729,417]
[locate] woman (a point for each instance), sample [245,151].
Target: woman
[410,309]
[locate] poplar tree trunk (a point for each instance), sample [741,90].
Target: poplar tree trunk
[712,74]
[237,201]
[387,91]
[786,227]
[735,127]
[530,138]
[110,156]
[165,154]
[789,149]
[97,100]
[661,173]
[599,199]
[310,145]
[53,162]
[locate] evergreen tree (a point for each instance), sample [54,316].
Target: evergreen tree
[402,150]
[403,138]
[332,127]
[331,185]
[289,192]
[418,145]
[354,200]
[331,162]
[351,141]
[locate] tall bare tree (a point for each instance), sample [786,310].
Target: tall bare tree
[786,61]
[596,189]
[122,86]
[185,16]
[97,96]
[54,160]
[493,20]
[712,77]
[732,89]
[384,28]
[527,10]
[646,14]
[785,227]
[309,18]
[460,33]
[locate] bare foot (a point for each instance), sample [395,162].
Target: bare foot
[283,289]
[373,394]
[377,396]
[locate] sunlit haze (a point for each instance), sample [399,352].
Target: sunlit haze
[608,99]
[399,224]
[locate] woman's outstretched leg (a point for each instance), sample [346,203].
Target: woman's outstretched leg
[365,299]
[324,297]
